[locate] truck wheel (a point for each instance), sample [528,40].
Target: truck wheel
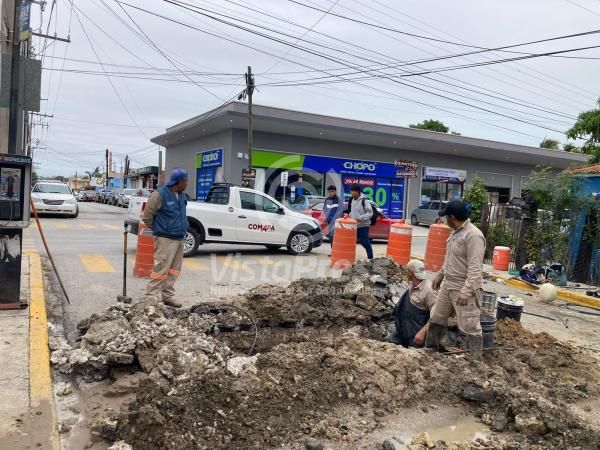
[191,241]
[413,220]
[299,243]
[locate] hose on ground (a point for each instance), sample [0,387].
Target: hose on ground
[573,306]
[247,314]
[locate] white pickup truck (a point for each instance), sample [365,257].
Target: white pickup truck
[236,215]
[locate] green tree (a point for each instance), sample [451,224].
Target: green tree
[587,127]
[34,177]
[477,195]
[550,143]
[431,125]
[93,174]
[570,147]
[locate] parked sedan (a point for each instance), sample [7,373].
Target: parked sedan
[125,196]
[427,213]
[379,231]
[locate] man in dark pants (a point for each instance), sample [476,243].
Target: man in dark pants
[361,211]
[333,208]
[411,313]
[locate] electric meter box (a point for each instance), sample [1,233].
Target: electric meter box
[15,190]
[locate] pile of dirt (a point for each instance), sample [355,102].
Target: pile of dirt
[361,295]
[305,389]
[319,373]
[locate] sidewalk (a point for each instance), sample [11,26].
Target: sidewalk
[27,412]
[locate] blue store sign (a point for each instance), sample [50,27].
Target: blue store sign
[207,163]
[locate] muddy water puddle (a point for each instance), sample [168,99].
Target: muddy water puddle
[78,411]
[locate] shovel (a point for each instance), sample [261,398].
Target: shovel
[124,298]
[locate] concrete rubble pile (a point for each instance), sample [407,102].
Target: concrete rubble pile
[320,378]
[170,345]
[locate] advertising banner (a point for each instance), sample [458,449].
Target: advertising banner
[441,174]
[406,168]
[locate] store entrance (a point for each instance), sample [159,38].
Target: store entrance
[498,194]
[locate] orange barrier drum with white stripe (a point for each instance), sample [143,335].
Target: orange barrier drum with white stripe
[437,241]
[343,248]
[399,243]
[144,255]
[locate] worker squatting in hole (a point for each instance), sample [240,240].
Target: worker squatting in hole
[165,213]
[460,281]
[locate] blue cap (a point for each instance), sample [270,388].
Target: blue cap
[176,176]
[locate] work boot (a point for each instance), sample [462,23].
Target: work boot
[475,346]
[172,302]
[434,336]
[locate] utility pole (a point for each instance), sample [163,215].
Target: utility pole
[249,92]
[15,82]
[106,176]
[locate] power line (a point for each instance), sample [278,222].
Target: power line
[583,7]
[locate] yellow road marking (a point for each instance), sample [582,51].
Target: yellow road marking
[194,265]
[87,226]
[62,225]
[96,263]
[230,261]
[112,227]
[263,260]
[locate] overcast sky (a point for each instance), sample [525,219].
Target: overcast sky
[124,109]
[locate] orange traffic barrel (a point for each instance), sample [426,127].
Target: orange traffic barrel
[399,243]
[343,248]
[501,259]
[144,256]
[435,252]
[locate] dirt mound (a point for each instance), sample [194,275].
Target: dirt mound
[322,371]
[362,294]
[300,389]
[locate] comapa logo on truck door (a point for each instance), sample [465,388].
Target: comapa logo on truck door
[261,227]
[358,165]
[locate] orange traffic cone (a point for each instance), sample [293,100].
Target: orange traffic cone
[144,255]
[399,243]
[343,248]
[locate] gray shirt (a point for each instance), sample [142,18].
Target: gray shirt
[361,214]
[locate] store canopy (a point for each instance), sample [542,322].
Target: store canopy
[295,123]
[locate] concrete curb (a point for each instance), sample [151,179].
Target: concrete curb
[40,379]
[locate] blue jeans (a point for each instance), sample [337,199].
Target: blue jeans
[330,231]
[363,239]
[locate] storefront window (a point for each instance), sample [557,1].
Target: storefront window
[442,184]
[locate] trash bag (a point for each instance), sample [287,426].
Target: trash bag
[557,273]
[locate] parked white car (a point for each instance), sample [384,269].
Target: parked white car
[236,215]
[54,197]
[125,196]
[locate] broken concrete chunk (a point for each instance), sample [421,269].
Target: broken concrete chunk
[477,394]
[106,425]
[530,425]
[366,301]
[126,384]
[106,331]
[352,289]
[120,445]
[313,444]
[118,358]
[240,364]
[146,358]
[499,423]
[63,388]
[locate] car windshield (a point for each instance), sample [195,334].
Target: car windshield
[51,188]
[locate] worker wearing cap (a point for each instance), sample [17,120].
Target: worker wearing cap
[460,280]
[166,214]
[412,310]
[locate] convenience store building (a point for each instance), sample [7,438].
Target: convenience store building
[399,168]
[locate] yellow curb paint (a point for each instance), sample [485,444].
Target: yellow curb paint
[112,227]
[263,260]
[87,226]
[96,263]
[40,379]
[194,265]
[62,226]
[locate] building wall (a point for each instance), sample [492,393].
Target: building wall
[496,173]
[234,144]
[184,156]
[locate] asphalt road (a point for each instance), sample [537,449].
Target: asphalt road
[88,252]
